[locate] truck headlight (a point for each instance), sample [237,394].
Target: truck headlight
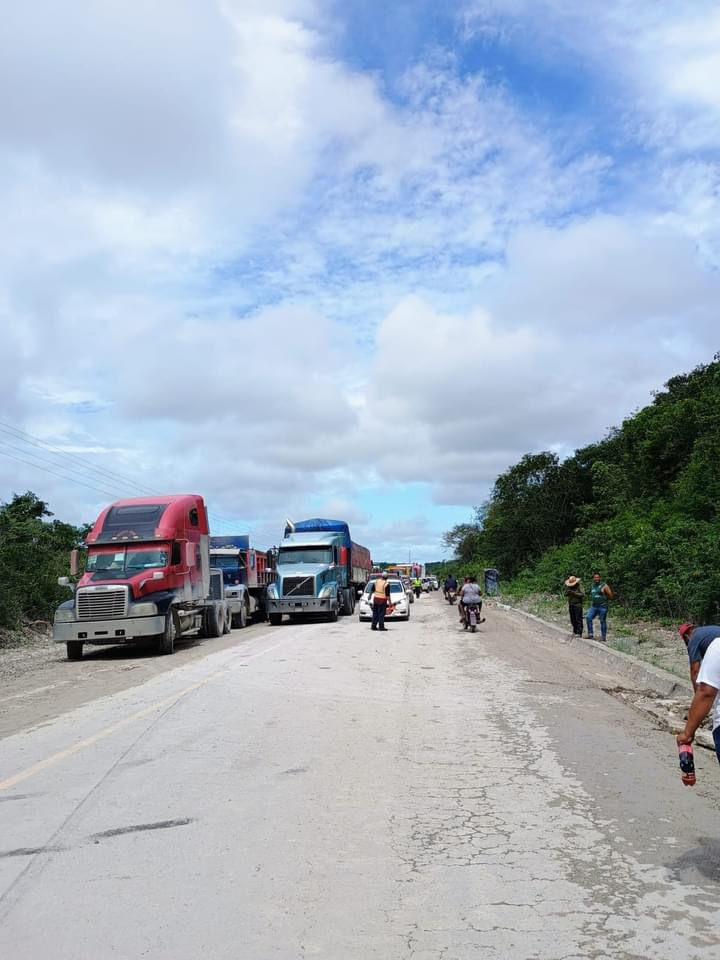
[64,615]
[272,591]
[144,609]
[327,591]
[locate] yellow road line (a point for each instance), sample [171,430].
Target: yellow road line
[61,755]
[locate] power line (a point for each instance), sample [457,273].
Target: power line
[73,459]
[54,473]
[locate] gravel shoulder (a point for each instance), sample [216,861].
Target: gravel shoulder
[38,682]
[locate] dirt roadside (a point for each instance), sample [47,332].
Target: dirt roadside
[38,682]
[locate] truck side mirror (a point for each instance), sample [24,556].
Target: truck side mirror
[74,562]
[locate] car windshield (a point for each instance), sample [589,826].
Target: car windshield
[305,555]
[125,561]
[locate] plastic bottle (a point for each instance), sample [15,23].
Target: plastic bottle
[687,764]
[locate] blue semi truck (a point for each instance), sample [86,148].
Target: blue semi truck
[320,571]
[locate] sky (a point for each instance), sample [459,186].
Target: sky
[345,258]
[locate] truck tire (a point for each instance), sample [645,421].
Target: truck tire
[226,621]
[345,603]
[74,649]
[275,619]
[333,615]
[166,642]
[239,620]
[213,622]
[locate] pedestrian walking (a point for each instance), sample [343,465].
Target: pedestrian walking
[574,595]
[600,594]
[381,599]
[703,646]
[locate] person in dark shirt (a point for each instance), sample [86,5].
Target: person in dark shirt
[697,640]
[450,584]
[575,596]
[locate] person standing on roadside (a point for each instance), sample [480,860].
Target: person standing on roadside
[703,645]
[575,596]
[600,594]
[381,599]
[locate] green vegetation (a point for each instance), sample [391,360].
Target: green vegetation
[33,554]
[640,506]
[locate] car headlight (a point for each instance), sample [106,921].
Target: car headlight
[64,615]
[327,591]
[145,609]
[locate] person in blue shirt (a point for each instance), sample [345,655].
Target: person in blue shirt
[703,646]
[697,640]
[450,584]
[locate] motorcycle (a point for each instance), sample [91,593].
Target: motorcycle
[450,596]
[471,616]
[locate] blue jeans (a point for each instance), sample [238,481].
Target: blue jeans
[597,612]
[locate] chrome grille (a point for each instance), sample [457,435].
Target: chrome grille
[109,604]
[299,586]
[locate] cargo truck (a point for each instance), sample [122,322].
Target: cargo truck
[246,576]
[147,575]
[320,571]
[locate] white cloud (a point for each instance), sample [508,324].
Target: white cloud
[226,255]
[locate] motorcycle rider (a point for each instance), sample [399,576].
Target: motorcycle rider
[470,595]
[450,584]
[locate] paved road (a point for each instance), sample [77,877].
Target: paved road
[323,791]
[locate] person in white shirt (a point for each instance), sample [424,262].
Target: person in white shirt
[707,697]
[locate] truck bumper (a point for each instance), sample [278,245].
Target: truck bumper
[108,631]
[308,605]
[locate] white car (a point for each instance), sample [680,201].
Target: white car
[398,597]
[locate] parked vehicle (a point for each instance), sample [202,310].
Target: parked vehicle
[398,599]
[319,571]
[246,575]
[434,583]
[426,585]
[147,575]
[407,583]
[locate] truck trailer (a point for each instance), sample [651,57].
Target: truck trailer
[147,575]
[320,571]
[246,573]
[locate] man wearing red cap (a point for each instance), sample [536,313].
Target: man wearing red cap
[703,644]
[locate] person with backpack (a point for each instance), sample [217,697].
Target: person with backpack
[600,594]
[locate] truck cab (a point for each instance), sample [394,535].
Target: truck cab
[147,575]
[319,570]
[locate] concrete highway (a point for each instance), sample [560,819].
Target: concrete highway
[319,790]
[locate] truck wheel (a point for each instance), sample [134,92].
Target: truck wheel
[212,622]
[275,619]
[333,615]
[74,649]
[166,644]
[346,603]
[239,620]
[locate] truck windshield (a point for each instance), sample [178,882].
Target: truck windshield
[305,555]
[125,561]
[232,568]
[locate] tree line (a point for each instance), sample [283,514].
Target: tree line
[34,552]
[641,506]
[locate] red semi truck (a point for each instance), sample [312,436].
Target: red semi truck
[147,575]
